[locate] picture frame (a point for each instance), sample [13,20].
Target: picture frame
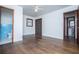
[29,22]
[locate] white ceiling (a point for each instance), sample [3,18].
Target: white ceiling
[29,9]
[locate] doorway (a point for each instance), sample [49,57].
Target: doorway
[6,25]
[70,26]
[38,28]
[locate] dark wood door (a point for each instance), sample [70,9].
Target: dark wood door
[78,27]
[38,28]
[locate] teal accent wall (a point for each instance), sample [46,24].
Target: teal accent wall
[6,25]
[5,30]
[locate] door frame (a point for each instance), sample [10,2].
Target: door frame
[12,22]
[70,14]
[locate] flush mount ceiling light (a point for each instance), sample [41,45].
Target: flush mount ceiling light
[37,8]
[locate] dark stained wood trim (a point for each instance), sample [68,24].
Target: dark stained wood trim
[77,26]
[67,13]
[64,27]
[70,12]
[13,27]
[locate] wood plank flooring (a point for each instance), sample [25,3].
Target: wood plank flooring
[46,45]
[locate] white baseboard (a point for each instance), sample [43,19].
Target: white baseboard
[9,41]
[53,36]
[5,42]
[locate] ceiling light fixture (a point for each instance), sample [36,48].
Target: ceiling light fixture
[36,9]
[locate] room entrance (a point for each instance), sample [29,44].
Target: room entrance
[70,26]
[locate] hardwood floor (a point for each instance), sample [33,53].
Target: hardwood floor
[46,45]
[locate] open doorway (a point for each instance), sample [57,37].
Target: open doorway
[70,28]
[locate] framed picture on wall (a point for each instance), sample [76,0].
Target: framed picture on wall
[29,22]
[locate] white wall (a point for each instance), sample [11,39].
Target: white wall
[52,25]
[28,30]
[18,21]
